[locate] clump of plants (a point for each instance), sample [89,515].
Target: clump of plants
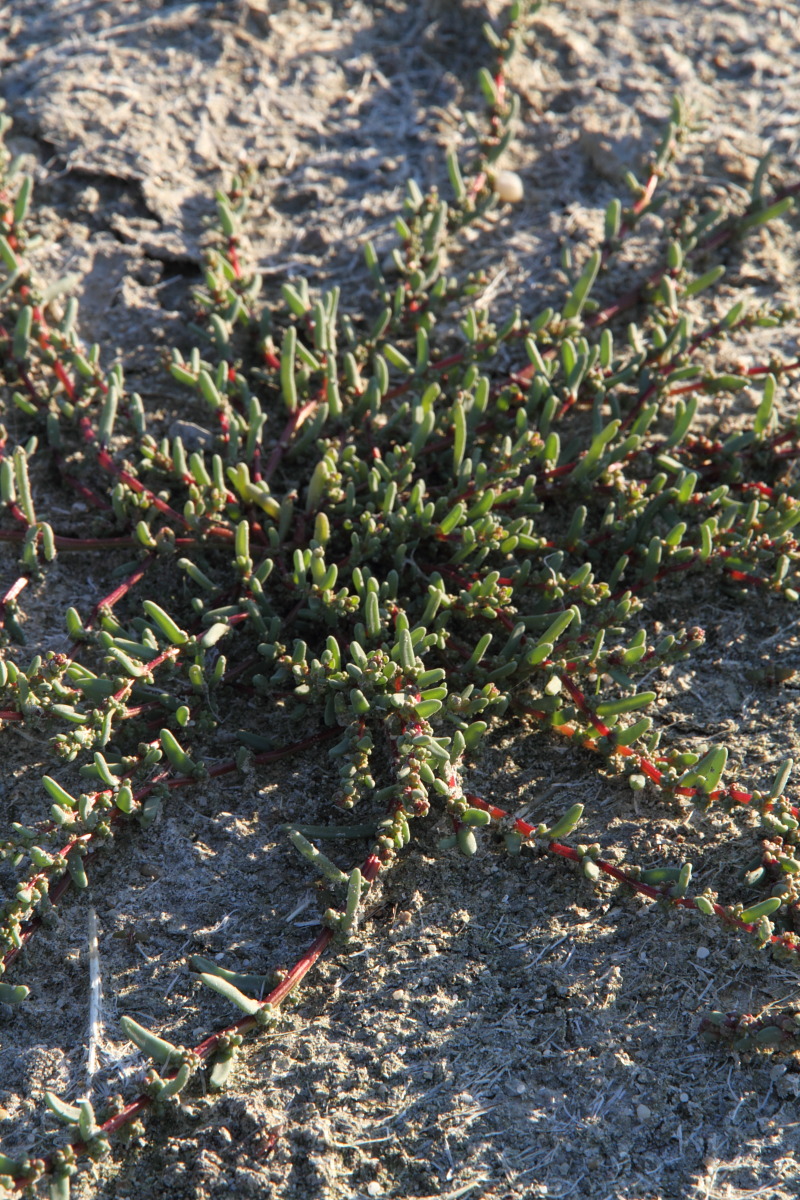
[406,526]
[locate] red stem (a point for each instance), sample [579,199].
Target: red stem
[629,299]
[16,588]
[579,698]
[57,889]
[121,590]
[737,795]
[206,1048]
[644,889]
[294,422]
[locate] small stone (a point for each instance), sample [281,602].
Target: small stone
[194,437]
[702,952]
[642,1112]
[508,186]
[788,1088]
[374,1188]
[684,1097]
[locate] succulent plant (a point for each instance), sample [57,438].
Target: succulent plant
[412,525]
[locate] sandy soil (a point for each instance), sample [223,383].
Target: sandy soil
[501,1028]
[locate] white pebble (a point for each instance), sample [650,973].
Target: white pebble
[702,951]
[509,186]
[642,1112]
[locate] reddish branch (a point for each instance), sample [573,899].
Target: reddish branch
[8,603]
[16,588]
[648,768]
[291,427]
[62,885]
[788,942]
[205,1049]
[633,297]
[122,589]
